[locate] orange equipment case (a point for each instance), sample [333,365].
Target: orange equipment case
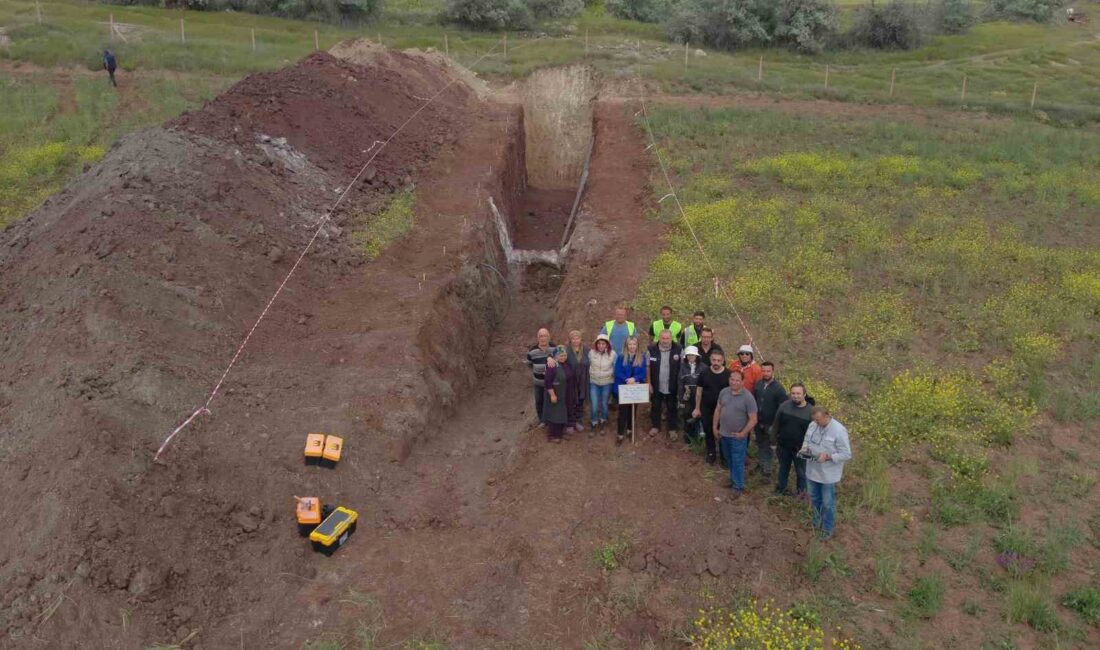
[315,447]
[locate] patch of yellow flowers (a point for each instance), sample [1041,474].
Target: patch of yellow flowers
[757,626]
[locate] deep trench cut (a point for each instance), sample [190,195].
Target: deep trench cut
[557,132]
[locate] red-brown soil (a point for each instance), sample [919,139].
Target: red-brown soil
[541,217]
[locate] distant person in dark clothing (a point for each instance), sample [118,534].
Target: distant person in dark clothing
[110,65]
[664,371]
[690,369]
[712,382]
[789,426]
[578,361]
[708,345]
[559,392]
[537,357]
[769,395]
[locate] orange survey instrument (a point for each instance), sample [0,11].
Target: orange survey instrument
[331,455]
[315,447]
[309,514]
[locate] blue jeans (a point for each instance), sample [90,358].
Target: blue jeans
[598,396]
[823,498]
[788,457]
[735,451]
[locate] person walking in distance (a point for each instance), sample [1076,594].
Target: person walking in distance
[690,368]
[665,323]
[734,419]
[788,428]
[630,368]
[769,395]
[537,357]
[746,363]
[619,329]
[559,387]
[712,382]
[110,64]
[578,361]
[601,379]
[692,334]
[827,446]
[664,370]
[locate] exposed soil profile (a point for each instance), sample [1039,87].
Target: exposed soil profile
[124,296]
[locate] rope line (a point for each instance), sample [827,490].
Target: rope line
[719,288]
[205,408]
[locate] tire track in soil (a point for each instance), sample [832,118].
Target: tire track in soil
[499,546]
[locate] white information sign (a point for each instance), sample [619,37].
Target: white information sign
[634,394]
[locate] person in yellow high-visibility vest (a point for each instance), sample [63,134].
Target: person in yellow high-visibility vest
[665,322]
[693,333]
[619,329]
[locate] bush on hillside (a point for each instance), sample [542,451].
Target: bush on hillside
[722,24]
[489,14]
[1040,11]
[644,11]
[333,11]
[806,25]
[954,16]
[555,8]
[894,26]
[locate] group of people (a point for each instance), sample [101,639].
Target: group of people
[697,392]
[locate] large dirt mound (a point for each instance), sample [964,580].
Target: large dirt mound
[122,299]
[364,52]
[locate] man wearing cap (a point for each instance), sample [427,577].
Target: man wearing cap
[665,322]
[693,332]
[690,367]
[746,363]
[537,357]
[664,370]
[619,329]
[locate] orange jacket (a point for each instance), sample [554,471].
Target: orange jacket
[751,373]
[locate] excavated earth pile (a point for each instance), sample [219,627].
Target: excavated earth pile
[124,297]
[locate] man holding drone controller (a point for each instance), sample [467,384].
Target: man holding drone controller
[826,449]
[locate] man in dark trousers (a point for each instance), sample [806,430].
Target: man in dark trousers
[769,395]
[664,372]
[110,65]
[712,382]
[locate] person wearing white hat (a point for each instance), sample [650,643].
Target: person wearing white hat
[750,370]
[687,382]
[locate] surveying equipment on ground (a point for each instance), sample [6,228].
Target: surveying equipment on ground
[308,512]
[334,530]
[323,450]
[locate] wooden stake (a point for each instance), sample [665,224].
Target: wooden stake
[316,40]
[505,47]
[826,75]
[633,421]
[962,97]
[111,33]
[1034,91]
[586,43]
[760,69]
[446,46]
[183,33]
[38,10]
[893,78]
[253,39]
[379,38]
[685,56]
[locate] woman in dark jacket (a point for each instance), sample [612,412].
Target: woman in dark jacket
[578,360]
[559,386]
[630,368]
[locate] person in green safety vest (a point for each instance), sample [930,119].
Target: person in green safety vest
[693,333]
[619,329]
[665,323]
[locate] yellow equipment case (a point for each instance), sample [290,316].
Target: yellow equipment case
[334,530]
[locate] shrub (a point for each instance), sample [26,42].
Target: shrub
[555,8]
[1039,11]
[954,16]
[895,26]
[926,596]
[489,14]
[806,25]
[644,11]
[325,10]
[722,24]
[1086,602]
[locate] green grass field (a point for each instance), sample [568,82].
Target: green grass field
[937,284]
